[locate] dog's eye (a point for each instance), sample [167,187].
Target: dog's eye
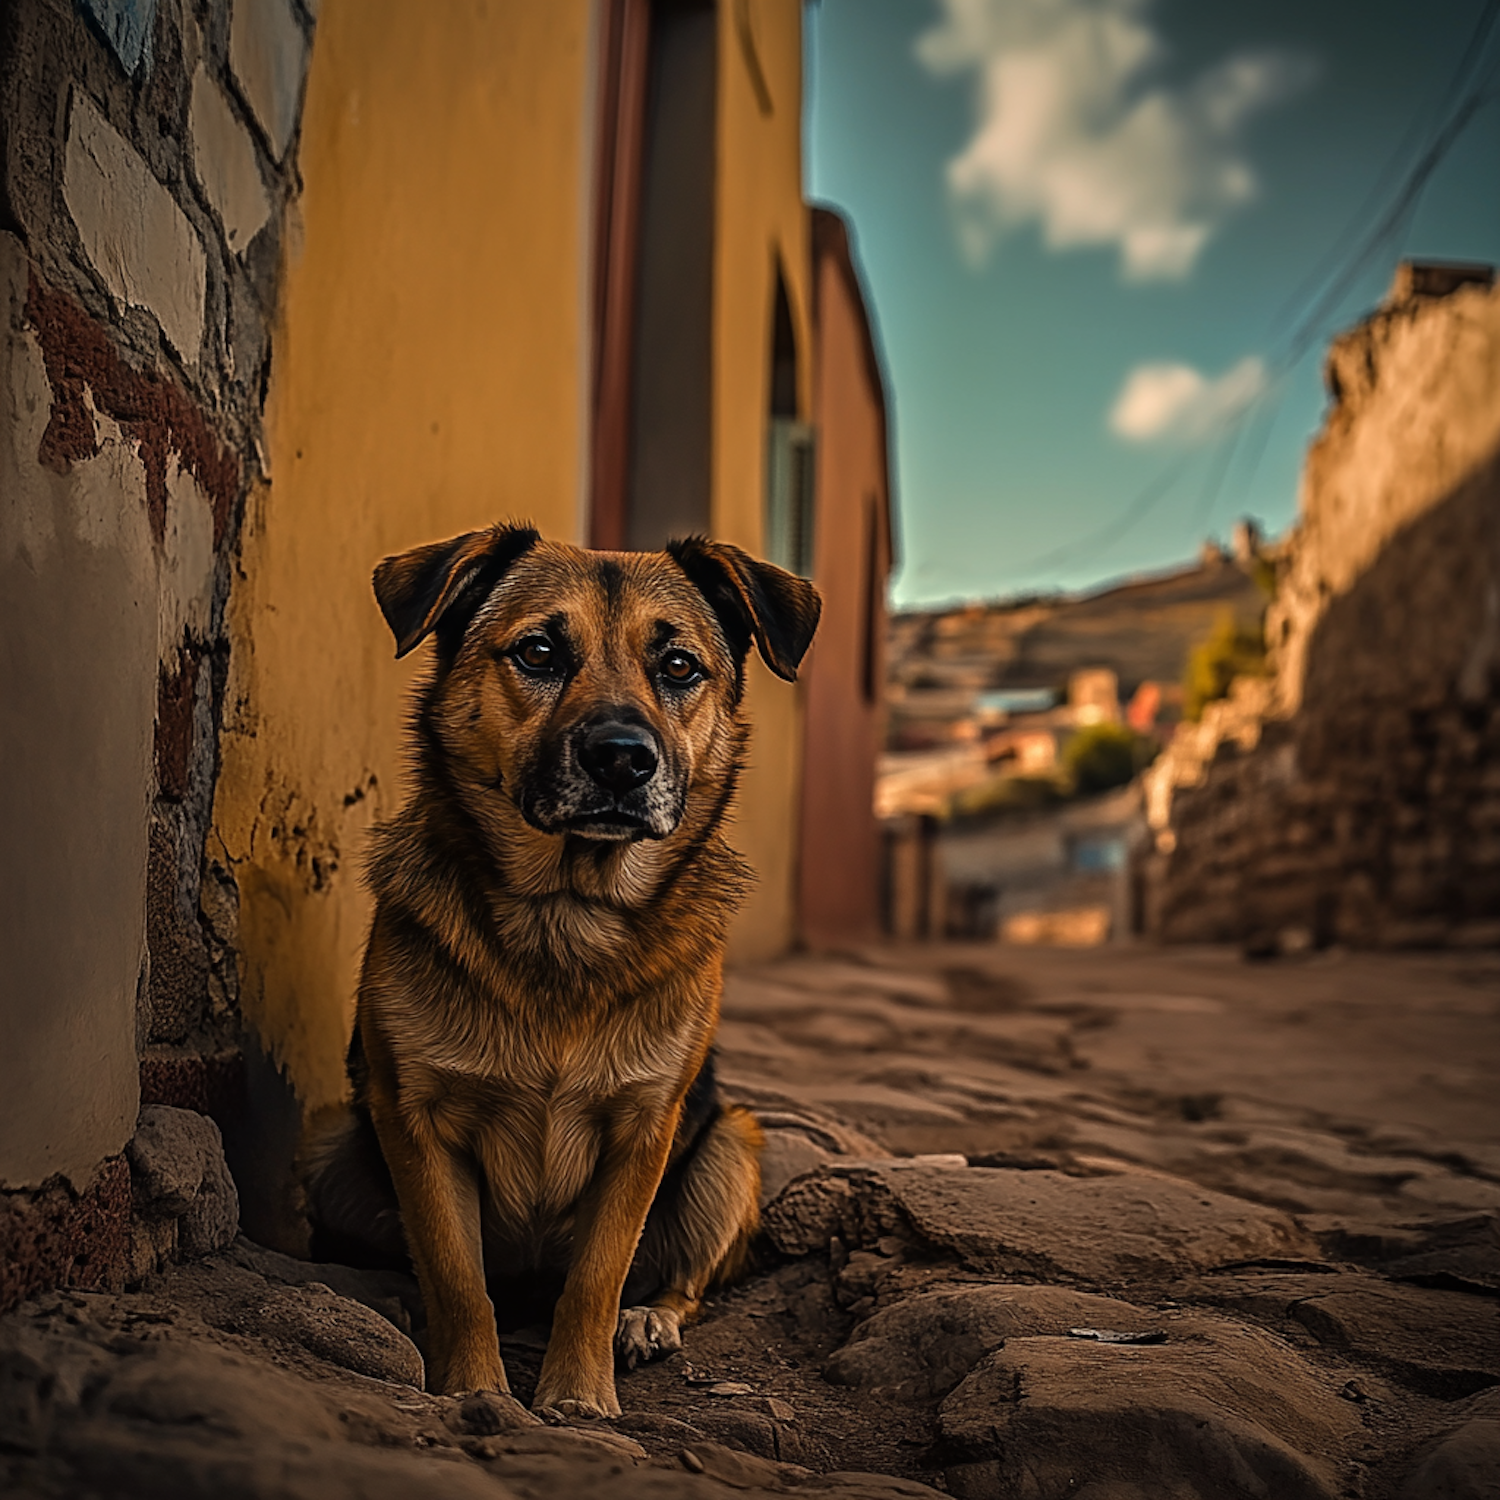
[680,669]
[538,655]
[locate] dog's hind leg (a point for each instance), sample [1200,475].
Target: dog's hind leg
[697,1235]
[351,1201]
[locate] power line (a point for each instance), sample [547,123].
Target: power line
[1269,409]
[1111,532]
[1396,219]
[1213,480]
[1336,274]
[1390,224]
[1421,125]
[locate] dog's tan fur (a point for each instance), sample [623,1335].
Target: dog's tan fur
[540,991]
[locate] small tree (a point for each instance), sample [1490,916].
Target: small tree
[1102,756]
[1232,649]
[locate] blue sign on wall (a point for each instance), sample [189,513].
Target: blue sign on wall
[126,26]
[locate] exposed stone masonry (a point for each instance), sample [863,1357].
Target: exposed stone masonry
[146,165]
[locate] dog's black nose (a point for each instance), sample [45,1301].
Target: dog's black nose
[620,757]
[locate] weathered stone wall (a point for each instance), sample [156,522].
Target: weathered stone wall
[146,160]
[1354,795]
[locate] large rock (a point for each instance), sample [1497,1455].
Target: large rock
[211,1390]
[921,1348]
[188,1466]
[1035,1223]
[308,1317]
[393,1294]
[1461,1252]
[746,1471]
[1464,1463]
[186,1419]
[1444,1344]
[184,1200]
[343,1332]
[1218,1412]
[787,1155]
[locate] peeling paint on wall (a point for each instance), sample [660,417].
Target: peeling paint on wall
[138,280]
[87,374]
[78,660]
[445,411]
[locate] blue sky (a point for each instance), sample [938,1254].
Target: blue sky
[1081,223]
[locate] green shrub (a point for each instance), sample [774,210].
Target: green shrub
[1004,794]
[1232,649]
[1101,756]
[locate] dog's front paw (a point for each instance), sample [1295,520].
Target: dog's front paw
[468,1377]
[646,1333]
[568,1410]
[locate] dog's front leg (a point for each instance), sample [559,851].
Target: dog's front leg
[578,1373]
[439,1195]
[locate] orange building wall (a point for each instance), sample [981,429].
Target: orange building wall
[839,888]
[760,219]
[428,376]
[431,373]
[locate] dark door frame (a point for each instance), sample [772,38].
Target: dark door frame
[625,56]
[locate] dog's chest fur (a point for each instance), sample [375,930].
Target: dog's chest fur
[535,1091]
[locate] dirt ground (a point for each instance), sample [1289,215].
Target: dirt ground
[1116,1223]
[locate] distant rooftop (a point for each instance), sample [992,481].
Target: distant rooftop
[1016,701]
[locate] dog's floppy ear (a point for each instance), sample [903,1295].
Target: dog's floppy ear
[753,600]
[418,590]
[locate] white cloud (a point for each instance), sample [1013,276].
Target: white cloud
[1074,133]
[1176,403]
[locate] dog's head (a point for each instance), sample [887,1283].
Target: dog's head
[596,692]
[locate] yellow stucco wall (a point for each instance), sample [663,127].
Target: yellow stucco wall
[429,374]
[760,216]
[427,377]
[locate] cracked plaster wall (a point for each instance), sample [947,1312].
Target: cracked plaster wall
[140,217]
[410,399]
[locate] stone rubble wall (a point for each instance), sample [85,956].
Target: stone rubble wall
[147,166]
[1353,795]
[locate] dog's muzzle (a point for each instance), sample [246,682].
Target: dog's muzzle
[607,780]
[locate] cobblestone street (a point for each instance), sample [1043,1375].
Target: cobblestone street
[1114,1222]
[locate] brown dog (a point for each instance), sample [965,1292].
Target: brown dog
[541,986]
